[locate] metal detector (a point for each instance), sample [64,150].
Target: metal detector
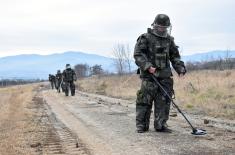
[195,131]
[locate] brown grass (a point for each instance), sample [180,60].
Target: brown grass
[115,86]
[210,92]
[12,119]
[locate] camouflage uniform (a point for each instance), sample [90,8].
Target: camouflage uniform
[154,51]
[52,81]
[58,81]
[69,77]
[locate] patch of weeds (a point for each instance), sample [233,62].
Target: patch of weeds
[79,87]
[231,85]
[189,106]
[101,89]
[211,92]
[202,97]
[191,88]
[228,73]
[218,96]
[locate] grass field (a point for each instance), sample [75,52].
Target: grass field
[14,118]
[211,93]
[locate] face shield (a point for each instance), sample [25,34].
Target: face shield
[161,31]
[68,67]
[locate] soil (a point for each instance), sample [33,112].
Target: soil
[94,124]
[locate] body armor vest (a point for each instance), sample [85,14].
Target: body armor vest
[69,75]
[158,54]
[158,51]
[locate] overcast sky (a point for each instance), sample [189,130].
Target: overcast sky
[95,26]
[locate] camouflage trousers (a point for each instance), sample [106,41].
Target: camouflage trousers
[69,85]
[150,94]
[53,84]
[58,84]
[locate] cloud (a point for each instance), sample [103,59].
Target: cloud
[47,26]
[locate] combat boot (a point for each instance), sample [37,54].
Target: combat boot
[164,128]
[142,130]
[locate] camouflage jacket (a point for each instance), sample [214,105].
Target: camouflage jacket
[52,78]
[69,75]
[158,52]
[58,76]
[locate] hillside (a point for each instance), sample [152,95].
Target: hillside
[209,56]
[39,66]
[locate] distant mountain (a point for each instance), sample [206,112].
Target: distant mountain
[208,56]
[39,66]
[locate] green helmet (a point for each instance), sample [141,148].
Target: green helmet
[162,25]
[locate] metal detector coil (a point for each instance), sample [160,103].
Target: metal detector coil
[194,130]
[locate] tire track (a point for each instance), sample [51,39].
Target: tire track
[55,137]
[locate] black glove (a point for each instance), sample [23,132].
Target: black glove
[182,70]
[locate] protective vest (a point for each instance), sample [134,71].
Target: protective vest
[59,76]
[69,75]
[158,53]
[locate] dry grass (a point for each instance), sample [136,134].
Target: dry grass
[210,92]
[115,86]
[12,119]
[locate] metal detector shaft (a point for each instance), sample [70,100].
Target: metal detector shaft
[175,105]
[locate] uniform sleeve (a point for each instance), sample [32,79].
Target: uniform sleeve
[175,58]
[74,75]
[140,53]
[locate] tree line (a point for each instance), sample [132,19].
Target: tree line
[220,64]
[122,59]
[11,82]
[84,70]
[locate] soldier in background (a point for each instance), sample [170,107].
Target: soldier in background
[52,80]
[69,77]
[154,51]
[58,80]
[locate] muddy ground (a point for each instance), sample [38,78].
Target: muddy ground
[47,122]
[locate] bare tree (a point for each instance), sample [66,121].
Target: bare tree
[96,70]
[128,57]
[228,60]
[122,55]
[81,70]
[119,55]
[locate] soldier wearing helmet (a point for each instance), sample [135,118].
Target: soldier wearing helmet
[69,77]
[155,52]
[162,25]
[58,77]
[52,80]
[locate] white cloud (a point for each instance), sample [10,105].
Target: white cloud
[47,26]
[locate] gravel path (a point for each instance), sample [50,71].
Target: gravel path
[107,126]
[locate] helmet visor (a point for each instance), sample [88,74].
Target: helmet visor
[68,67]
[162,31]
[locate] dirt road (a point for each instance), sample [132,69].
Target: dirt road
[42,121]
[107,126]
